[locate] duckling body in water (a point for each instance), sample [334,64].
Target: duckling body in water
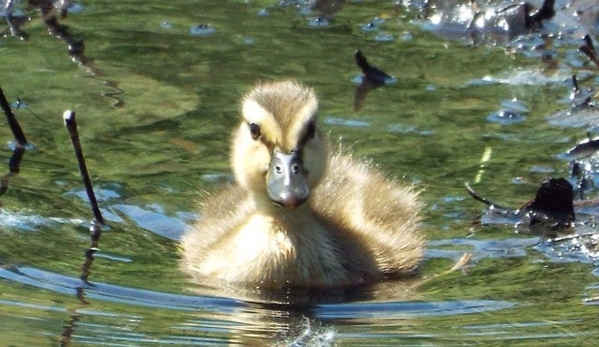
[299,215]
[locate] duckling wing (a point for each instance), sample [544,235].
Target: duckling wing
[376,212]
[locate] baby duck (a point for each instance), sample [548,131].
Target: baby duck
[297,214]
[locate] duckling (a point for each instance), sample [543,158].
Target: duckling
[299,214]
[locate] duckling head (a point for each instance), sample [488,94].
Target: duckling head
[279,154]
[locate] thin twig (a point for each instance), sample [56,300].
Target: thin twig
[570,237]
[71,124]
[95,228]
[12,121]
[589,42]
[482,199]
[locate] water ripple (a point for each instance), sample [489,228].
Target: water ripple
[114,293]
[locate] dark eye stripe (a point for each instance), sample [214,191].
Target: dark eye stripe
[310,133]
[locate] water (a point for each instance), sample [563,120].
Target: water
[156,101]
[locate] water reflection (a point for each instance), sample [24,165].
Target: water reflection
[15,19]
[485,22]
[324,9]
[218,319]
[49,15]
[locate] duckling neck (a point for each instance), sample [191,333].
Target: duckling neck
[263,205]
[286,220]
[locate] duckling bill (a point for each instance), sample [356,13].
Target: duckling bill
[299,214]
[287,182]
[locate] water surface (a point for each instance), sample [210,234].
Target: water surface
[156,98]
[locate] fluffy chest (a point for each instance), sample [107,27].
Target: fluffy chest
[260,239]
[267,250]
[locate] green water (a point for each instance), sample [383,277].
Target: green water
[156,105]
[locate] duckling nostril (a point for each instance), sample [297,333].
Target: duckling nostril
[295,169]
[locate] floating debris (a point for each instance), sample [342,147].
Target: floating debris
[584,110]
[345,122]
[202,29]
[263,13]
[583,149]
[318,22]
[542,169]
[551,210]
[553,202]
[407,36]
[248,40]
[589,49]
[322,8]
[506,117]
[325,8]
[384,37]
[372,78]
[520,14]
[369,27]
[479,25]
[402,129]
[372,73]
[515,105]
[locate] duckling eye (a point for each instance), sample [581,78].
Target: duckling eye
[255,131]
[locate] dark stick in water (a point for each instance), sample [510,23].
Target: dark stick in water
[12,121]
[589,49]
[71,124]
[98,221]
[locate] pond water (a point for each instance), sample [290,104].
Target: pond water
[156,94]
